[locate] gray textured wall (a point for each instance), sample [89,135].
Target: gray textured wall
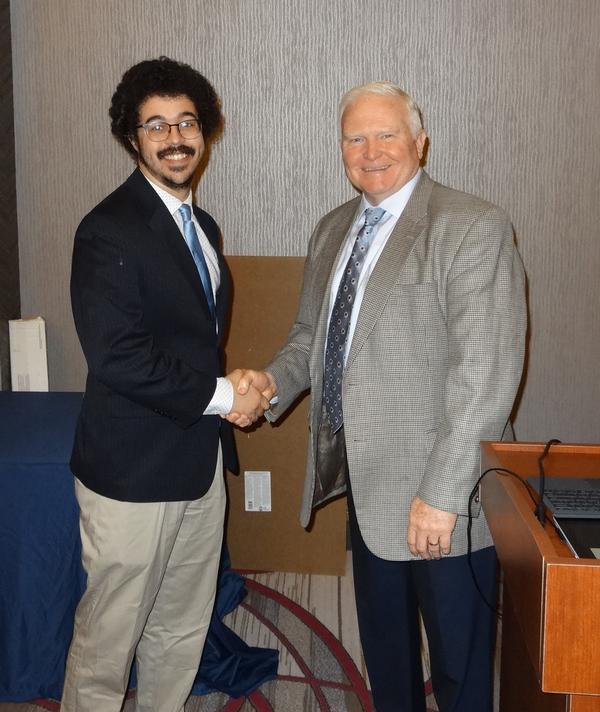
[511,97]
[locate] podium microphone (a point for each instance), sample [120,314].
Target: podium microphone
[539,509]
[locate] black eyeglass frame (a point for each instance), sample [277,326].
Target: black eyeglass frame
[149,124]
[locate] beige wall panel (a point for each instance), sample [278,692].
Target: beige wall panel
[511,97]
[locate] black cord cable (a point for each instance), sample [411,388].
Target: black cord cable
[540,511]
[530,491]
[535,498]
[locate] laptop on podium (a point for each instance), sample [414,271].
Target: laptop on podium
[575,506]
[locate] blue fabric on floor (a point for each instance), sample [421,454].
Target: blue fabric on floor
[228,664]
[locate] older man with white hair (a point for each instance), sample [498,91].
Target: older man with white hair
[410,334]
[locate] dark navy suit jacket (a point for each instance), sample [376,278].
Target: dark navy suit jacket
[152,350]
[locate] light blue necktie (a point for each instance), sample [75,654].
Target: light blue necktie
[337,334]
[191,238]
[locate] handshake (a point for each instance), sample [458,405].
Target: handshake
[252,393]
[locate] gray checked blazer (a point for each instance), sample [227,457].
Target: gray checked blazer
[434,364]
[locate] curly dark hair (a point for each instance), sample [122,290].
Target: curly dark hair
[162,77]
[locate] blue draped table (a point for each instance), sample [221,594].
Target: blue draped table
[41,577]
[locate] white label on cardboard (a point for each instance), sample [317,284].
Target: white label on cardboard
[257,490]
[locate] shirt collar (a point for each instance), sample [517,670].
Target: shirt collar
[395,203]
[172,203]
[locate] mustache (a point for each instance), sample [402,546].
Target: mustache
[188,150]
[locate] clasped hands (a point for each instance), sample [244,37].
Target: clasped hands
[252,392]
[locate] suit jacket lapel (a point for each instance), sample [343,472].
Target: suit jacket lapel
[328,257]
[390,263]
[222,296]
[162,225]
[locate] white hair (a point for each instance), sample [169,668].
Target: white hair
[385,89]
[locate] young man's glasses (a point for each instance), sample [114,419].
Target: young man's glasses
[160,130]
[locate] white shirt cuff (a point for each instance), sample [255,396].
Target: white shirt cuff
[222,401]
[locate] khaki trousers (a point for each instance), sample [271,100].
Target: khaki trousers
[152,571]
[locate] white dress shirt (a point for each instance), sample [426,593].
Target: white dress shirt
[222,400]
[394,207]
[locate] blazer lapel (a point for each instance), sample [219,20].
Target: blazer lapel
[163,226]
[390,263]
[213,235]
[328,258]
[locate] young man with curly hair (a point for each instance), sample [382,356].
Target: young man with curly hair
[150,294]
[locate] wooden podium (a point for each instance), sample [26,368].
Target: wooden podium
[551,600]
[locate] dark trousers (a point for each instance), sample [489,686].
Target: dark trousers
[460,627]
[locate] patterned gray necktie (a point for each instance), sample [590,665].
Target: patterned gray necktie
[340,319]
[191,238]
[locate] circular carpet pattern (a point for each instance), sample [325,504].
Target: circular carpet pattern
[328,681]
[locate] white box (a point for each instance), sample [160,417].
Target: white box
[28,358]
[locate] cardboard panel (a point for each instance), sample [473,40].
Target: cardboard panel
[264,307]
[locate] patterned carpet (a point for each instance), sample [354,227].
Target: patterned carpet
[317,674]
[329,680]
